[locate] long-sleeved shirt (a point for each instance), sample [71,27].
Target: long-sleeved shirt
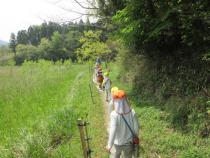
[107,83]
[119,133]
[110,107]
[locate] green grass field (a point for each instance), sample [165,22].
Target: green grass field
[40,104]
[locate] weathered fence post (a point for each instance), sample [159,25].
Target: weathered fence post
[81,125]
[87,140]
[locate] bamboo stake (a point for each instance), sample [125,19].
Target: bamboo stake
[80,124]
[87,139]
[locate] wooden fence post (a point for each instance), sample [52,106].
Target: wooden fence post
[81,125]
[87,139]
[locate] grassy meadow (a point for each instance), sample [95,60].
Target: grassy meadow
[40,103]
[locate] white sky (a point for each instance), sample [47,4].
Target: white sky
[17,15]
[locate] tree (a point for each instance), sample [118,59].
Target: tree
[58,50]
[45,49]
[26,52]
[22,37]
[52,27]
[44,31]
[92,47]
[81,26]
[110,7]
[13,43]
[169,38]
[87,24]
[72,43]
[34,35]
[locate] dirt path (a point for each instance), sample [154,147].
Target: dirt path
[106,119]
[106,116]
[105,106]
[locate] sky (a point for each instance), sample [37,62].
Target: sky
[17,15]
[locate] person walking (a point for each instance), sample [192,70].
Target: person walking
[107,86]
[98,67]
[100,78]
[124,127]
[111,102]
[111,106]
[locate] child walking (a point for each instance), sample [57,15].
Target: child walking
[107,86]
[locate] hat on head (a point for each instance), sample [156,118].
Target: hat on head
[121,105]
[106,74]
[114,89]
[119,94]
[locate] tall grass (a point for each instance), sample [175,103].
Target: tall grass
[30,94]
[40,103]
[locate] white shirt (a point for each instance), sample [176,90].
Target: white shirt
[107,83]
[110,107]
[119,132]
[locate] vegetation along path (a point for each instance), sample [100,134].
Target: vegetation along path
[43,119]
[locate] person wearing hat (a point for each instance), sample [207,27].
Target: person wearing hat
[98,70]
[107,86]
[124,127]
[111,103]
[100,78]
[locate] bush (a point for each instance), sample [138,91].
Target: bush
[173,91]
[26,52]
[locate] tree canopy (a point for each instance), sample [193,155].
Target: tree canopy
[92,47]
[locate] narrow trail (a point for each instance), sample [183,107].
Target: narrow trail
[105,106]
[106,116]
[72,92]
[107,120]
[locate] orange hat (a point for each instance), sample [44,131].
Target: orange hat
[119,94]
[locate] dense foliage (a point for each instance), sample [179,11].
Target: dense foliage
[93,46]
[167,58]
[53,41]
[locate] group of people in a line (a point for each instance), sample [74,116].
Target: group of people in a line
[123,124]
